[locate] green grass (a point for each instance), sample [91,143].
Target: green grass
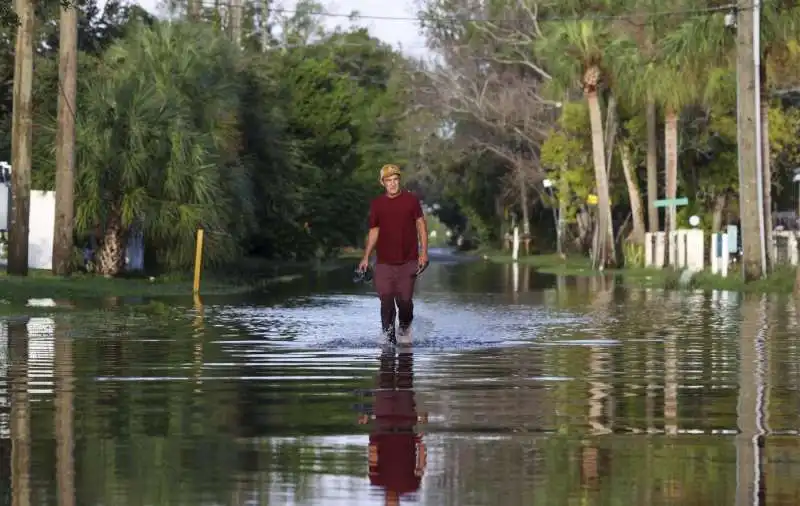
[550,263]
[246,276]
[40,284]
[780,281]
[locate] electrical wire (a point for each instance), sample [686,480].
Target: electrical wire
[577,17]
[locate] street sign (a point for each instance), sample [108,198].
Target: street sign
[683,201]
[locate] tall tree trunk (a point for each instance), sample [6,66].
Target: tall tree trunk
[65,141]
[193,9]
[523,203]
[766,169]
[671,162]
[21,142]
[111,255]
[584,221]
[720,201]
[264,18]
[499,213]
[611,131]
[634,196]
[610,142]
[236,21]
[563,196]
[652,166]
[20,413]
[65,464]
[747,116]
[602,252]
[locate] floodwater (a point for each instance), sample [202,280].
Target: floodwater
[520,389]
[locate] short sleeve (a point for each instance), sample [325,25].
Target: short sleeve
[417,208]
[373,215]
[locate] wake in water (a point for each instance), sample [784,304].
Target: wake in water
[351,322]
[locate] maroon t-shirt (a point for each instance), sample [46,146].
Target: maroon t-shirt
[396,217]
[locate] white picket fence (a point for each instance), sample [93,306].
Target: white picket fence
[686,249]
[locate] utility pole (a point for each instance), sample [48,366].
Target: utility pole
[21,140]
[236,22]
[748,119]
[65,140]
[759,135]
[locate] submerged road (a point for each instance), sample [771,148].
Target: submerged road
[520,389]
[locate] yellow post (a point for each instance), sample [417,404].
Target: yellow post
[198,260]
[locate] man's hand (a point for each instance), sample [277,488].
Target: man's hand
[363,265]
[423,259]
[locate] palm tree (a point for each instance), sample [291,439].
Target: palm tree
[156,144]
[585,44]
[705,41]
[631,54]
[674,88]
[779,29]
[644,30]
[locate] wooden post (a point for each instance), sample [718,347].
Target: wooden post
[65,141]
[198,260]
[21,142]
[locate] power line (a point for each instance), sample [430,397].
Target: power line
[706,11]
[578,17]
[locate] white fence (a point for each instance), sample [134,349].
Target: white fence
[41,228]
[41,234]
[681,249]
[785,247]
[686,249]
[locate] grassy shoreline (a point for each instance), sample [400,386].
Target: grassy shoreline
[251,275]
[780,281]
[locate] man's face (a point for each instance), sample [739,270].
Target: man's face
[392,184]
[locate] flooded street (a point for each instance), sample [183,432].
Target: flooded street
[520,389]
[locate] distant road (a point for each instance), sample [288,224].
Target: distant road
[449,255]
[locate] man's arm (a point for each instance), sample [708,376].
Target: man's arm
[372,240]
[422,228]
[372,235]
[422,233]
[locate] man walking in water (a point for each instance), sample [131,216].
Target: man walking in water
[399,235]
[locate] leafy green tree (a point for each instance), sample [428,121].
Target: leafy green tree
[156,142]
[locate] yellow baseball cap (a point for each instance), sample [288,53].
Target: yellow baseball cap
[389,169]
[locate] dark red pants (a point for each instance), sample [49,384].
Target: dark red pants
[395,286]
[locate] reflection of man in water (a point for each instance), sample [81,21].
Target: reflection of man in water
[396,452]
